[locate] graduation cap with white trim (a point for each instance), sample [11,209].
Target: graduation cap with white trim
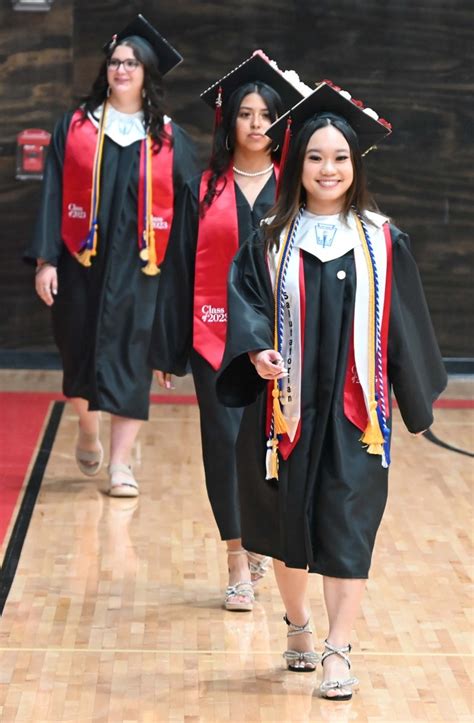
[168,57]
[329,98]
[257,68]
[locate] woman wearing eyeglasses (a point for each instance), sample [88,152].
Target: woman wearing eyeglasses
[114,168]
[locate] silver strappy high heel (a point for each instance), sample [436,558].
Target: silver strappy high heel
[337,684]
[299,661]
[240,596]
[258,565]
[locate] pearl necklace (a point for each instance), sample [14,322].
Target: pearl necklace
[253,175]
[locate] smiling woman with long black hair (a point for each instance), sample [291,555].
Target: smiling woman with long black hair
[326,316]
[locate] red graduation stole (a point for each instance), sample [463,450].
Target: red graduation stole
[217,244]
[80,154]
[355,409]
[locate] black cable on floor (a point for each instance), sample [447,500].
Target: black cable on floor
[436,440]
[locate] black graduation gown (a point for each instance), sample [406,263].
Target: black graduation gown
[102,315]
[172,340]
[325,510]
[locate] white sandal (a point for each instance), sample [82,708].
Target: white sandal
[122,482]
[89,462]
[259,565]
[242,589]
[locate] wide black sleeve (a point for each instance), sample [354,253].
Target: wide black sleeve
[47,242]
[250,325]
[415,366]
[185,159]
[172,333]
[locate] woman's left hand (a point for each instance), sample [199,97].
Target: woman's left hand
[164,379]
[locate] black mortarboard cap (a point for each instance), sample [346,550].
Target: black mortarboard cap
[257,67]
[168,57]
[328,97]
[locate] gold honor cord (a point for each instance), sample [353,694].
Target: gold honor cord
[84,257]
[278,422]
[148,254]
[372,435]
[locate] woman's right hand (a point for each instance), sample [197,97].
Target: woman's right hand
[268,363]
[46,283]
[164,379]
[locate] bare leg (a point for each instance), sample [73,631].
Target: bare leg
[293,584]
[123,433]
[342,598]
[88,424]
[238,566]
[89,453]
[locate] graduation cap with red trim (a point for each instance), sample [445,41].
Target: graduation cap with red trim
[168,57]
[327,97]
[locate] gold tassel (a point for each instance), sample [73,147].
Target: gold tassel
[374,449]
[84,257]
[274,461]
[279,421]
[271,459]
[151,269]
[149,255]
[372,434]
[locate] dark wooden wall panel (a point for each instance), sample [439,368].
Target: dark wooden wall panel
[411,60]
[36,86]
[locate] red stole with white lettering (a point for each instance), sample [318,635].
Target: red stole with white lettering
[217,244]
[81,148]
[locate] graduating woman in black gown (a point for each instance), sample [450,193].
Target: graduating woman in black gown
[326,314]
[216,212]
[113,170]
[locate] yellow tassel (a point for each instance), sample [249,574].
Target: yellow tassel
[374,449]
[84,257]
[279,422]
[151,269]
[274,459]
[152,245]
[372,433]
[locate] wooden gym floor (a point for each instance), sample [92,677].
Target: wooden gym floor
[113,610]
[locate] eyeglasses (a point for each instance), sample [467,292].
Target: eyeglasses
[130,64]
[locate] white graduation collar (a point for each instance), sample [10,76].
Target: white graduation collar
[346,236]
[123,128]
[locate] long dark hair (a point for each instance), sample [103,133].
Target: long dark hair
[224,140]
[292,192]
[153,102]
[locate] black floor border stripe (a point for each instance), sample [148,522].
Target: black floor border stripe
[22,522]
[436,440]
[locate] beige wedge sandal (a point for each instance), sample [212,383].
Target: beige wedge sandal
[122,482]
